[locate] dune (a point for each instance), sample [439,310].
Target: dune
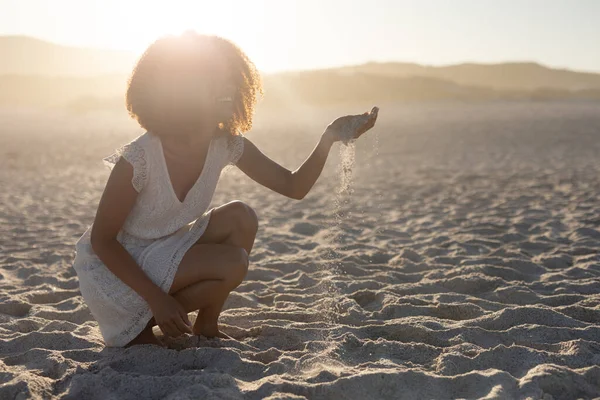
[465,263]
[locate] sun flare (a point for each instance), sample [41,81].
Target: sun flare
[241,22]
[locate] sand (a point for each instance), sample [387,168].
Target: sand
[464,264]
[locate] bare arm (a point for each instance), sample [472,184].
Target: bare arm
[117,200]
[294,184]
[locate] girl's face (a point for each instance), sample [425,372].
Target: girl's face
[217,104]
[209,98]
[223,96]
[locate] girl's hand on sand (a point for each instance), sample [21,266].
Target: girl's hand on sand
[170,316]
[351,127]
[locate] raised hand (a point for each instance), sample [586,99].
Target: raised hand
[351,127]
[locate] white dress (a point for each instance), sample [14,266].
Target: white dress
[157,233]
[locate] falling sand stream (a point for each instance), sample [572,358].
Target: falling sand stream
[333,300]
[342,213]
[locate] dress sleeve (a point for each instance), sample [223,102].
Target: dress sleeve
[135,155]
[235,147]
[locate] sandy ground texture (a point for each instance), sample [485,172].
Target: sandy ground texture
[462,261]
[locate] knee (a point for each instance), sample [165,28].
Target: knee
[244,217]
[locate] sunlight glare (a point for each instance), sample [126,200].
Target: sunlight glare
[240,21]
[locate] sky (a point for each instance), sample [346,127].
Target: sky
[307,34]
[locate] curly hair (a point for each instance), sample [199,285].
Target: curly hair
[166,86]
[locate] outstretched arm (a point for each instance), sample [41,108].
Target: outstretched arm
[296,184]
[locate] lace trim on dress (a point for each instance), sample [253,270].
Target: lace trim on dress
[135,155]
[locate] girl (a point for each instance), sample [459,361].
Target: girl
[155,252]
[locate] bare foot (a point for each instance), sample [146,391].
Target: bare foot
[223,335]
[211,331]
[146,337]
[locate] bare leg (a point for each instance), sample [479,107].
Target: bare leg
[232,224]
[208,298]
[206,322]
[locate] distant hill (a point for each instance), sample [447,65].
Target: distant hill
[505,76]
[337,86]
[28,56]
[309,88]
[41,74]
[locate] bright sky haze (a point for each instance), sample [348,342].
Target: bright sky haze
[307,34]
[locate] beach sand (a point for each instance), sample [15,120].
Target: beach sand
[465,263]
